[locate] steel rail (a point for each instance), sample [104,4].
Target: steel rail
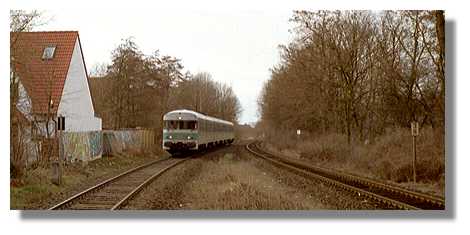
[134,192]
[104,183]
[350,182]
[420,200]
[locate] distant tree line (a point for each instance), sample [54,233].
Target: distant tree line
[136,90]
[358,73]
[204,95]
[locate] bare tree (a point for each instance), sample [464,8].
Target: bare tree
[357,73]
[20,21]
[202,94]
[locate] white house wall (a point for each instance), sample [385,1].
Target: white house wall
[76,104]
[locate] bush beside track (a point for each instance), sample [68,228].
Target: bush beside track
[387,158]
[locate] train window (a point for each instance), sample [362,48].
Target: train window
[185,125]
[190,125]
[172,125]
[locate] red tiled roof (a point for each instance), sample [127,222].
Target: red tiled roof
[43,78]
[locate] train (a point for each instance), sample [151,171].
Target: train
[187,130]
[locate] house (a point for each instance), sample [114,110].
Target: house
[52,81]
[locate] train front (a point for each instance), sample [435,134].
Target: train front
[180,132]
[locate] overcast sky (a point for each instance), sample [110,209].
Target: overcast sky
[235,47]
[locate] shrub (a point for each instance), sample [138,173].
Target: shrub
[389,157]
[395,150]
[328,148]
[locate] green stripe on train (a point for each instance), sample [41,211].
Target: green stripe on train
[180,135]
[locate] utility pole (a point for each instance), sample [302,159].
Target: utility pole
[414,133]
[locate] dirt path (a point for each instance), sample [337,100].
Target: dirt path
[232,178]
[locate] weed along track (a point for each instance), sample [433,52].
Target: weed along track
[114,193]
[389,195]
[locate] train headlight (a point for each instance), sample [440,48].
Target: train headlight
[189,137]
[170,137]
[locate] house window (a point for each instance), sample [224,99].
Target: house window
[48,53]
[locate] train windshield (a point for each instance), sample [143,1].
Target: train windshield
[181,125]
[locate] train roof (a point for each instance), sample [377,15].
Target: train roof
[197,115]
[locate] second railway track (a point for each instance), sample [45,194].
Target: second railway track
[114,193]
[390,195]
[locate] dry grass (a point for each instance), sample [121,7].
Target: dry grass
[234,187]
[391,156]
[388,158]
[222,181]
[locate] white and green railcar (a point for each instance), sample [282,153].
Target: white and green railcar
[188,130]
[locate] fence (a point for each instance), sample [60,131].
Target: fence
[87,146]
[115,142]
[81,146]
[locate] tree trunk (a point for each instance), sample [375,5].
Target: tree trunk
[440,31]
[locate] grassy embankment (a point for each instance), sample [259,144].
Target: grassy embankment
[35,190]
[387,158]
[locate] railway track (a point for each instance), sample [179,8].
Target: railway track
[114,193]
[390,195]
